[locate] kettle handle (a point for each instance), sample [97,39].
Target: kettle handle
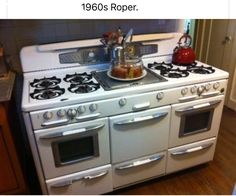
[187,40]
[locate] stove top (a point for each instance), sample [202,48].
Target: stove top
[112,84]
[49,83]
[170,70]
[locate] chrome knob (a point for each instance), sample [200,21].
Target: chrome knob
[193,89]
[122,101]
[61,113]
[184,91]
[93,107]
[216,85]
[208,86]
[47,115]
[160,96]
[200,89]
[71,113]
[81,109]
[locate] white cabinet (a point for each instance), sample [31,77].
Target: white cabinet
[89,182]
[141,169]
[190,155]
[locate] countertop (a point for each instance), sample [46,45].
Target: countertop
[6,86]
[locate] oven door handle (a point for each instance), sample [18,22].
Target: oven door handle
[90,177]
[190,150]
[70,182]
[140,162]
[198,107]
[142,118]
[72,132]
[55,123]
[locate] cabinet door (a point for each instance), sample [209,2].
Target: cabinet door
[7,176]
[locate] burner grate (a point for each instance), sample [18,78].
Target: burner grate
[201,70]
[169,70]
[84,87]
[43,83]
[47,93]
[77,78]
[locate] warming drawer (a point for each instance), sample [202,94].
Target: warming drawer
[137,170]
[139,134]
[94,181]
[190,155]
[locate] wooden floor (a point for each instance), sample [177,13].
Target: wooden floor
[216,177]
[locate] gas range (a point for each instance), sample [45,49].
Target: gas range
[83,125]
[82,84]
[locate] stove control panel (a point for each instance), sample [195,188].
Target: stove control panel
[124,104]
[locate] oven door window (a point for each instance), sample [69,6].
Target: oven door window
[75,149]
[195,122]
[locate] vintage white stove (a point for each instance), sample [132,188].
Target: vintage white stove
[91,134]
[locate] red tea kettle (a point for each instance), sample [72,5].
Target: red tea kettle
[184,54]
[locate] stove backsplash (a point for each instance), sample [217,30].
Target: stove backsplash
[15,34]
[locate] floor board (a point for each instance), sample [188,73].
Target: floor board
[216,177]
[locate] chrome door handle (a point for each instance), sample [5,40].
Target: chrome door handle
[189,98]
[55,123]
[194,149]
[90,177]
[140,162]
[70,182]
[198,107]
[72,132]
[87,117]
[141,106]
[210,94]
[142,118]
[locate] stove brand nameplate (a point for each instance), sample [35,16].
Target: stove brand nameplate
[112,84]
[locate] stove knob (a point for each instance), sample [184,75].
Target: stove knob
[160,96]
[208,86]
[200,89]
[47,115]
[81,109]
[184,91]
[71,113]
[193,89]
[122,101]
[61,113]
[93,107]
[216,85]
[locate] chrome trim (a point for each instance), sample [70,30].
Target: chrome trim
[87,117]
[210,94]
[141,106]
[95,176]
[72,132]
[70,182]
[142,118]
[189,98]
[194,149]
[140,162]
[198,107]
[55,123]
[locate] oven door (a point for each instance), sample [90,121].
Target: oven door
[139,134]
[195,120]
[73,148]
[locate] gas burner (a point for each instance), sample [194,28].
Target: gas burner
[44,83]
[174,73]
[84,88]
[187,65]
[201,70]
[47,93]
[78,78]
[160,66]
